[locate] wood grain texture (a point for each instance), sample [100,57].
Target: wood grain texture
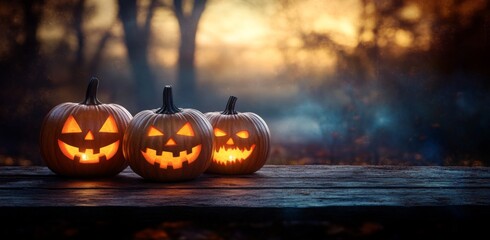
[271,187]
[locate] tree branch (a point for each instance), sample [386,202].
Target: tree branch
[149,17]
[179,12]
[78,25]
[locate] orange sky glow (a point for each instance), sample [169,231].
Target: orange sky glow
[243,41]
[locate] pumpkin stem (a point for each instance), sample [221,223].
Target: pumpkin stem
[91,95]
[168,102]
[230,106]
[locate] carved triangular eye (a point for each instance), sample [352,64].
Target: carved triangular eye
[242,134]
[109,126]
[71,126]
[219,133]
[154,132]
[186,130]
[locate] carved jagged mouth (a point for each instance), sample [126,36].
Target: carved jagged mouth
[88,156]
[232,155]
[167,159]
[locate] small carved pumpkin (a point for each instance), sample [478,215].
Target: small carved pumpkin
[84,139]
[169,144]
[242,141]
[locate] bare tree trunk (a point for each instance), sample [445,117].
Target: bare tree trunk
[23,74]
[95,62]
[78,25]
[136,39]
[78,71]
[186,75]
[32,18]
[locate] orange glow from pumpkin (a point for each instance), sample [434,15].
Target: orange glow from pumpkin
[186,130]
[88,156]
[219,133]
[89,136]
[170,142]
[71,126]
[242,134]
[232,155]
[154,132]
[167,159]
[109,126]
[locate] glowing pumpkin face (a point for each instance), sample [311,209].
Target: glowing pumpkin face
[169,144]
[84,146]
[84,139]
[233,147]
[242,141]
[172,153]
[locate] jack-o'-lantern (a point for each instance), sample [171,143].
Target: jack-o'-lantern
[169,143]
[84,139]
[242,141]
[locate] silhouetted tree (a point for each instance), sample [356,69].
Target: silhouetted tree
[23,75]
[97,57]
[137,39]
[408,84]
[78,11]
[186,73]
[32,12]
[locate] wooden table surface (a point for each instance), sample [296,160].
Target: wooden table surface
[278,202]
[271,187]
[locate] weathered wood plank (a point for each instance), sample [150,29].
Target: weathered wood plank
[312,171]
[207,182]
[255,198]
[277,177]
[272,186]
[441,201]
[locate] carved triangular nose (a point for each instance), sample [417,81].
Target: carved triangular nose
[89,136]
[230,142]
[170,142]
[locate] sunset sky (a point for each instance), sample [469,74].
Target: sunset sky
[238,41]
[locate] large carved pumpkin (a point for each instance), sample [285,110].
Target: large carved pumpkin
[84,139]
[242,141]
[169,144]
